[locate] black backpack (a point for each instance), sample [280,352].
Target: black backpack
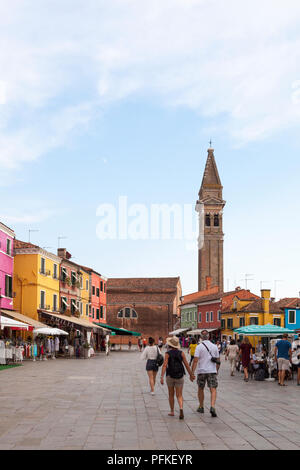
[259,375]
[175,366]
[159,359]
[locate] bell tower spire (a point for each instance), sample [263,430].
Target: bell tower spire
[210,255]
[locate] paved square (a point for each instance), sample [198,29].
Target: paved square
[104,403]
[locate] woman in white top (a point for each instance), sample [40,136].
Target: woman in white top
[150,353]
[231,354]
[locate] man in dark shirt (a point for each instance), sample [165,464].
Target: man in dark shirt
[283,356]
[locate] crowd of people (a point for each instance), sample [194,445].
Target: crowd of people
[205,361]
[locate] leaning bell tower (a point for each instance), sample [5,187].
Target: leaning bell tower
[210,254]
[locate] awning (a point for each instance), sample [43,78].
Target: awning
[76,321]
[263,330]
[23,318]
[198,332]
[177,332]
[50,331]
[6,322]
[119,331]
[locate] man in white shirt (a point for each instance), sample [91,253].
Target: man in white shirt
[207,362]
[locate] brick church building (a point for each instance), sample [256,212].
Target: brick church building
[145,305]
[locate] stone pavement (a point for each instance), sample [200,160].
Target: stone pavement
[104,403]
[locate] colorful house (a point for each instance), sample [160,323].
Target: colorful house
[85,289]
[36,280]
[232,303]
[7,236]
[291,309]
[69,285]
[97,295]
[258,311]
[193,305]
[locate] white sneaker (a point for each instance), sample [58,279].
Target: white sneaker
[152,393]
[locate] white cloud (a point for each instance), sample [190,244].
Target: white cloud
[62,61]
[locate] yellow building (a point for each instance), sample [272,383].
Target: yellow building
[245,312]
[85,294]
[36,280]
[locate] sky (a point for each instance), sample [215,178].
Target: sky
[106,99]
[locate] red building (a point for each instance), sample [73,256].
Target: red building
[97,296]
[209,314]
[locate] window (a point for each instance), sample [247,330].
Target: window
[133,313]
[80,307]
[195,316]
[292,316]
[207,317]
[8,286]
[63,304]
[97,292]
[104,285]
[73,306]
[43,298]
[94,290]
[93,312]
[101,286]
[235,305]
[55,271]
[126,313]
[86,284]
[73,278]
[211,316]
[219,315]
[207,220]
[81,282]
[54,302]
[43,266]
[242,321]
[253,320]
[229,323]
[97,313]
[216,220]
[277,321]
[64,274]
[8,246]
[87,310]
[200,317]
[101,311]
[223,324]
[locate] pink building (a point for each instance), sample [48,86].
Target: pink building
[7,236]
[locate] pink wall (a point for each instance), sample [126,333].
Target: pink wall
[6,264]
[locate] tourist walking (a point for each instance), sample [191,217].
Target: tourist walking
[207,363]
[140,344]
[231,355]
[245,354]
[283,356]
[173,365]
[160,342]
[192,349]
[151,353]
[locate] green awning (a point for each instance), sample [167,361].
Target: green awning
[118,331]
[262,330]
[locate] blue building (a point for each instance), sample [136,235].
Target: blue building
[291,310]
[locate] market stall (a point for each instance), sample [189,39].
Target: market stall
[9,350]
[265,331]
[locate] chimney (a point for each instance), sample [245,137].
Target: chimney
[62,252]
[208,282]
[265,296]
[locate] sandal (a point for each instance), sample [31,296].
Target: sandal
[181,415]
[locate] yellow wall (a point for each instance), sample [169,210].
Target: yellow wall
[28,283]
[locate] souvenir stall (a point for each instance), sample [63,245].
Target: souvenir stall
[46,343]
[10,349]
[81,341]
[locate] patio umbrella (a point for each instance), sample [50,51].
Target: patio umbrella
[49,331]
